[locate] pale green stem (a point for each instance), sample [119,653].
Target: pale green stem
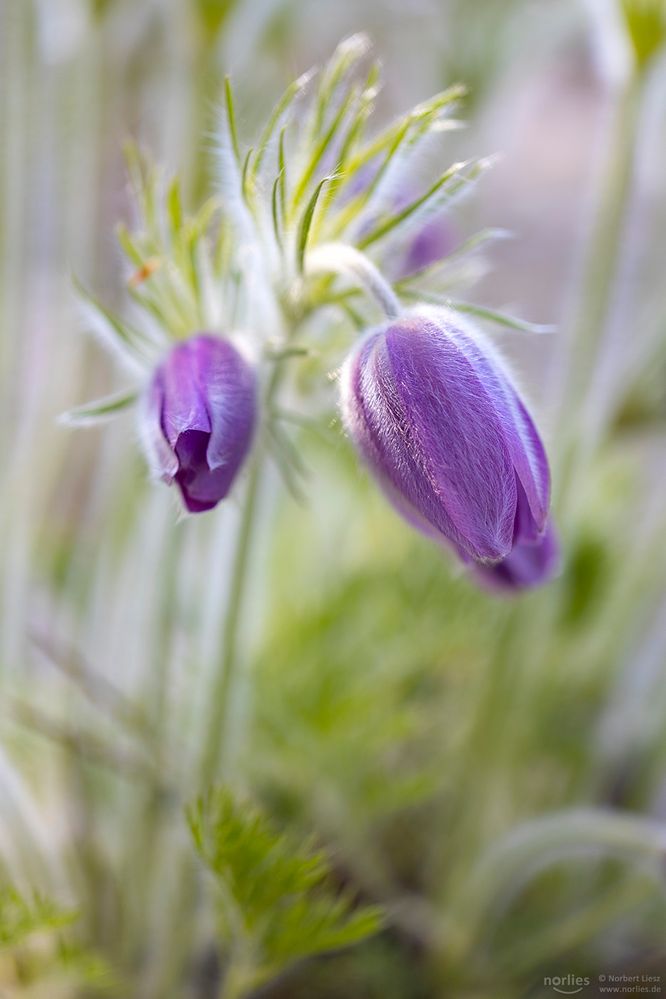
[217,747]
[338,258]
[599,276]
[151,807]
[217,735]
[236,983]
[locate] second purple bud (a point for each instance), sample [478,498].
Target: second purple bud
[434,413]
[199,418]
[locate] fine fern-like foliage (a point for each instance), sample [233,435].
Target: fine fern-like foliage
[20,917]
[276,899]
[40,953]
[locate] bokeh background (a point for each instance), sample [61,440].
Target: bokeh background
[489,771]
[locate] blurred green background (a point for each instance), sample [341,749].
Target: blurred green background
[490,772]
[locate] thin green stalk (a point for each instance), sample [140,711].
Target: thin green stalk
[236,983]
[217,741]
[180,935]
[142,861]
[217,736]
[478,763]
[599,275]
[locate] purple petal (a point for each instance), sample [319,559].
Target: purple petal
[525,446]
[427,426]
[230,401]
[184,390]
[161,458]
[528,565]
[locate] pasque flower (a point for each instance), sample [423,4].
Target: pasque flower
[434,413]
[198,418]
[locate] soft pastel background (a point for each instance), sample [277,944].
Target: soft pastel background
[491,772]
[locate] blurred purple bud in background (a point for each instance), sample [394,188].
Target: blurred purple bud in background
[428,243]
[434,413]
[434,241]
[199,418]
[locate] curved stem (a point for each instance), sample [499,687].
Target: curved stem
[338,258]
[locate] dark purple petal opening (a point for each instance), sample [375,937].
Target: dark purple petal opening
[202,488]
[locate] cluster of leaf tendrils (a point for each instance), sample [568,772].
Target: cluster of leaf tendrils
[318,175]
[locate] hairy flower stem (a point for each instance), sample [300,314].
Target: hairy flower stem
[218,749]
[142,860]
[236,982]
[338,258]
[218,738]
[181,933]
[599,276]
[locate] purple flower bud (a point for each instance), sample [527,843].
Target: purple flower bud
[434,413]
[199,418]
